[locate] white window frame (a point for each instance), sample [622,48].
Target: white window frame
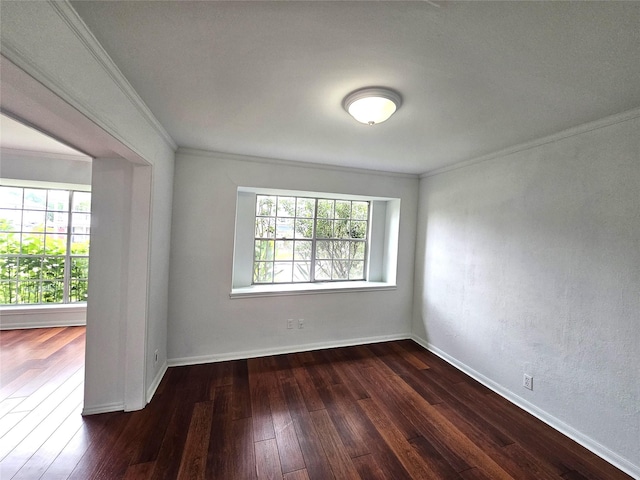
[382,251]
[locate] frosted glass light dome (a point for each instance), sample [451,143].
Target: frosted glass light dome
[372,105]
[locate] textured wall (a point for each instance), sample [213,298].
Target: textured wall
[530,262]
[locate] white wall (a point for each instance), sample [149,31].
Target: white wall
[80,96]
[67,172]
[111,199]
[205,324]
[43,167]
[530,262]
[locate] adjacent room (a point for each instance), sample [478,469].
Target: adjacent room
[327,239]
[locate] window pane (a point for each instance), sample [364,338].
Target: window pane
[360,210]
[357,250]
[58,200]
[283,272]
[33,221]
[263,250]
[323,250]
[78,291]
[8,268]
[57,222]
[55,244]
[304,228]
[340,270]
[53,268]
[81,201]
[29,292]
[284,227]
[30,268]
[356,271]
[358,229]
[306,207]
[265,228]
[79,244]
[324,228]
[302,250]
[52,292]
[340,249]
[9,243]
[8,292]
[343,209]
[11,197]
[10,220]
[80,222]
[341,229]
[323,270]
[263,272]
[284,250]
[302,271]
[79,268]
[266,206]
[35,199]
[32,244]
[286,206]
[325,208]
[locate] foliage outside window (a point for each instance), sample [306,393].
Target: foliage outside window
[299,239]
[44,245]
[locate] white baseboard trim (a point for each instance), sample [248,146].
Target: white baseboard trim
[176,362]
[587,442]
[18,317]
[151,391]
[105,408]
[45,324]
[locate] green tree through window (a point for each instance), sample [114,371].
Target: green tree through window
[44,245]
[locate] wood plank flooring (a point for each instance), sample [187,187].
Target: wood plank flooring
[383,411]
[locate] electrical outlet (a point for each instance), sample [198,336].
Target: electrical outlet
[527,381]
[155,358]
[301,323]
[290,323]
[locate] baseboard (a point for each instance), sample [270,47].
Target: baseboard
[156,381]
[42,316]
[587,442]
[175,362]
[51,324]
[105,408]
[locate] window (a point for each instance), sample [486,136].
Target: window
[290,242]
[301,239]
[44,245]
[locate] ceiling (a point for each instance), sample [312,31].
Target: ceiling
[268,78]
[18,137]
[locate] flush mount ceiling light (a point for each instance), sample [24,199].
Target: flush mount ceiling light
[372,105]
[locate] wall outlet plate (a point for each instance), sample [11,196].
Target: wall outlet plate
[527,381]
[290,323]
[301,323]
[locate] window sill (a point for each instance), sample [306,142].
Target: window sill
[40,308]
[308,289]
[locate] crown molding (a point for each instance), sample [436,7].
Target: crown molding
[571,132]
[287,163]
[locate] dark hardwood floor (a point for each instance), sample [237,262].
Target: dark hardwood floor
[384,411]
